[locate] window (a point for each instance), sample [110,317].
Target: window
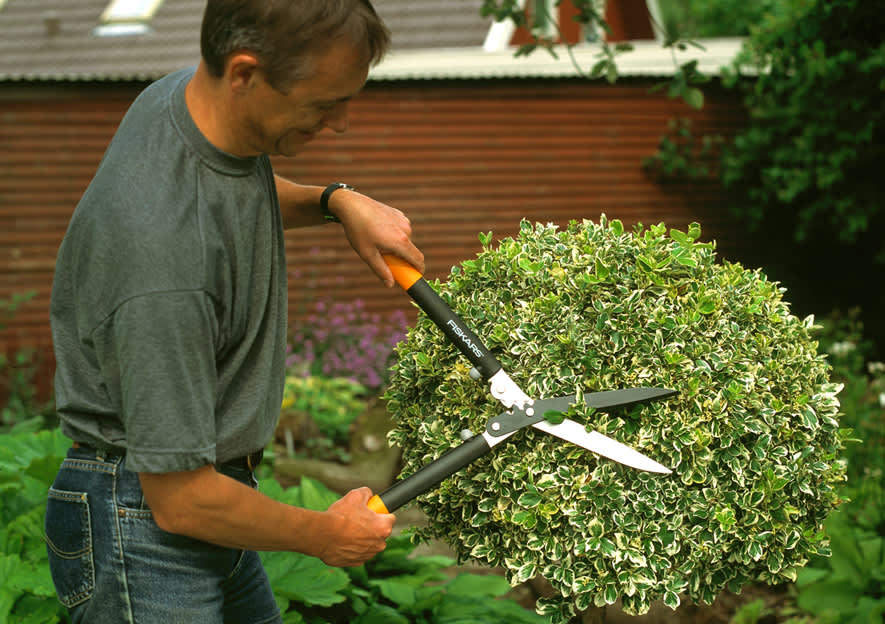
[127,17]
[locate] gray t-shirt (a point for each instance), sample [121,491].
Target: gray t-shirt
[169,300]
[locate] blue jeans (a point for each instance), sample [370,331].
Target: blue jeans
[111,563]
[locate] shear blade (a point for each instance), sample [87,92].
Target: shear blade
[610,399]
[575,433]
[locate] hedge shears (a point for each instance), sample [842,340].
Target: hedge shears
[520,410]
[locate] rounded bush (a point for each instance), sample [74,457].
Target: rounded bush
[752,437]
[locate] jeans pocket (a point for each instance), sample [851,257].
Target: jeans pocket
[68,532]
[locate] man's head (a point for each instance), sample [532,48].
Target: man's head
[287,35]
[281,71]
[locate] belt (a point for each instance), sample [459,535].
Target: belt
[250,462]
[104,452]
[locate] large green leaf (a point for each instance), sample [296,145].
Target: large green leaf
[37,610]
[382,614]
[18,451]
[460,609]
[836,596]
[7,601]
[479,586]
[401,591]
[315,495]
[304,579]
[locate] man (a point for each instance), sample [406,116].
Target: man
[169,323]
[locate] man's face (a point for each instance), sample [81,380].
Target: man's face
[282,123]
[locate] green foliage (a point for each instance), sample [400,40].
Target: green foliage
[750,613]
[843,339]
[752,437]
[394,587]
[850,586]
[296,577]
[534,17]
[397,586]
[8,307]
[813,150]
[28,463]
[681,155]
[714,18]
[686,79]
[590,14]
[332,403]
[23,410]
[18,370]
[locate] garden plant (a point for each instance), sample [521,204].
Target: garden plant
[849,586]
[342,339]
[396,587]
[339,356]
[318,413]
[752,438]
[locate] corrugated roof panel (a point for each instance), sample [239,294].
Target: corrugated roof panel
[28,51]
[434,24]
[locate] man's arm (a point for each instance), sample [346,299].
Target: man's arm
[207,505]
[299,204]
[371,227]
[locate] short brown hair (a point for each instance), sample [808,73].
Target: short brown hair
[286,34]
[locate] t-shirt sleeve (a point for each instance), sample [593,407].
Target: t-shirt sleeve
[157,356]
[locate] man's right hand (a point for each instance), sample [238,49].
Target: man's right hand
[357,533]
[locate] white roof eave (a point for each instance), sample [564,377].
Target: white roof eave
[648,58]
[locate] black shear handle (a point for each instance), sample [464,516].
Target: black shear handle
[430,475]
[445,318]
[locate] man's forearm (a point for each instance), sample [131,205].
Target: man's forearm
[299,204]
[212,507]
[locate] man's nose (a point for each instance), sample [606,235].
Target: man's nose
[337,118]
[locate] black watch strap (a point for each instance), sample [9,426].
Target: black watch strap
[324,200]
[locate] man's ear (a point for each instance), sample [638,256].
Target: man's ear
[241,70]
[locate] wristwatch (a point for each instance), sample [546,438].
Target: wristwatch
[324,200]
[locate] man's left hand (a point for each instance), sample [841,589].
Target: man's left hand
[374,228]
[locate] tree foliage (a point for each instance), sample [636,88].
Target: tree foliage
[812,153]
[713,18]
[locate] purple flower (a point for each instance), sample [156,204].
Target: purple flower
[341,339]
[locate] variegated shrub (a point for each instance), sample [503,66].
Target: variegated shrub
[752,437]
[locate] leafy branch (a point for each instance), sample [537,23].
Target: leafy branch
[590,14]
[687,76]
